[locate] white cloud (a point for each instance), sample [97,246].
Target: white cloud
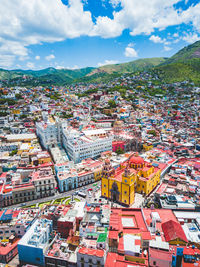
[176,40]
[167,48]
[58,67]
[155,39]
[107,62]
[141,17]
[73,68]
[6,61]
[159,40]
[50,57]
[167,42]
[114,3]
[30,65]
[107,28]
[76,67]
[191,38]
[37,57]
[130,52]
[61,67]
[131,44]
[24,23]
[144,16]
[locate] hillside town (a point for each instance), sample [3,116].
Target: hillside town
[100,174]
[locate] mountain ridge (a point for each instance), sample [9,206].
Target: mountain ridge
[185,64]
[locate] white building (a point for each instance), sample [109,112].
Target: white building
[85,144]
[104,124]
[35,242]
[48,132]
[44,182]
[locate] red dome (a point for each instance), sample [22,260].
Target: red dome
[136,160]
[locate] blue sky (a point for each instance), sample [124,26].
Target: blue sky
[79,33]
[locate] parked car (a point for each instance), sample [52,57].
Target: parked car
[81,194]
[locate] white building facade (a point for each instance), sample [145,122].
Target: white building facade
[86,144]
[48,133]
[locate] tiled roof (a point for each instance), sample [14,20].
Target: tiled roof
[173,230]
[92,252]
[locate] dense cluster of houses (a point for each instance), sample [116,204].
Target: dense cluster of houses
[129,134]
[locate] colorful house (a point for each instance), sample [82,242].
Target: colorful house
[118,145]
[174,233]
[133,175]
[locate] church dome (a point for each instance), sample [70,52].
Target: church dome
[136,160]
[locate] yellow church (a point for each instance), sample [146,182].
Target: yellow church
[134,175]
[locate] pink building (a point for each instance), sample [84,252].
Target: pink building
[117,144]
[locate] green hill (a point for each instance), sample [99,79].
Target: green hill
[45,73]
[187,53]
[184,65]
[89,74]
[180,71]
[129,67]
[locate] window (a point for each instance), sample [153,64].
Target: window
[154,263]
[90,260]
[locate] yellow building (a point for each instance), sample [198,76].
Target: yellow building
[16,111]
[97,174]
[43,157]
[134,175]
[118,185]
[147,147]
